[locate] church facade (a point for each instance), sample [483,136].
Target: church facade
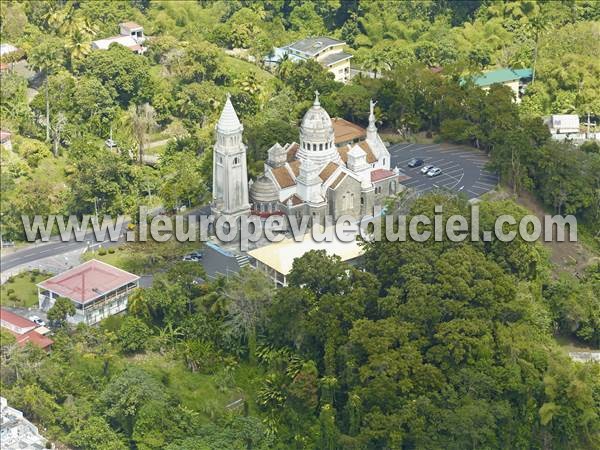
[337,168]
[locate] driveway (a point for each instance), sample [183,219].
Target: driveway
[463,168]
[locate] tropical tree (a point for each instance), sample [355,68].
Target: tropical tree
[249,294]
[62,308]
[46,57]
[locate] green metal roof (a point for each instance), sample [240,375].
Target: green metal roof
[502,76]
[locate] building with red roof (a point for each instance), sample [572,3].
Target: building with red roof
[33,337]
[15,323]
[97,290]
[23,329]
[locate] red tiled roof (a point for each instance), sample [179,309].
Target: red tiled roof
[338,180]
[295,166]
[291,152]
[381,174]
[35,338]
[295,200]
[328,171]
[283,177]
[367,149]
[15,319]
[88,281]
[345,131]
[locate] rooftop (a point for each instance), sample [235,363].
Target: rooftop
[280,256]
[125,41]
[35,338]
[15,319]
[381,174]
[502,76]
[312,46]
[130,25]
[229,120]
[345,131]
[88,281]
[334,58]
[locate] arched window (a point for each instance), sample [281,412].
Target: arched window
[392,187]
[314,147]
[236,161]
[320,146]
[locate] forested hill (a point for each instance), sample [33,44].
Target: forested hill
[436,345]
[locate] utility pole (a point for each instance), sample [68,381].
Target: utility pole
[588,123]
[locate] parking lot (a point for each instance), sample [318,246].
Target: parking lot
[463,168]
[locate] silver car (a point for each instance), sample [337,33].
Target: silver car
[434,172]
[426,168]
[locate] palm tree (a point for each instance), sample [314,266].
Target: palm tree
[539,24]
[46,58]
[143,120]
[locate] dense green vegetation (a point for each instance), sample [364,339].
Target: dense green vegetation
[431,345]
[422,345]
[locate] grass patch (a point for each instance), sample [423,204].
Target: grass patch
[21,291]
[143,257]
[204,393]
[571,344]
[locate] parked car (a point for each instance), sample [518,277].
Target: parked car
[37,321]
[195,257]
[110,143]
[415,162]
[434,172]
[426,169]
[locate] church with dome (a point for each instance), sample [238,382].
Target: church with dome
[336,168]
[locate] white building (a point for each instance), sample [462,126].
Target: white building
[563,123]
[7,49]
[16,432]
[337,168]
[97,290]
[327,51]
[131,36]
[276,260]
[230,174]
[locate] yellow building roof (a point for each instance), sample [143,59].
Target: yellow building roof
[281,255]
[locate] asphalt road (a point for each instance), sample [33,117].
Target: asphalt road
[56,247]
[52,248]
[463,168]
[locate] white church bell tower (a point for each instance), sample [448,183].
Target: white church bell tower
[230,174]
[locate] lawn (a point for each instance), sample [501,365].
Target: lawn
[143,257]
[21,291]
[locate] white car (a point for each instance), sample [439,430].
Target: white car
[434,172]
[37,321]
[426,169]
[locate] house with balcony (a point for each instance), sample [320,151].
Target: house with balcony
[131,35]
[327,51]
[97,290]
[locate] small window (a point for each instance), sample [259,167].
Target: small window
[236,161]
[320,146]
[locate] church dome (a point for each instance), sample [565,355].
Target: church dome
[263,190]
[316,135]
[316,123]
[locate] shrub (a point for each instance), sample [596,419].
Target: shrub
[101,251]
[10,291]
[111,250]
